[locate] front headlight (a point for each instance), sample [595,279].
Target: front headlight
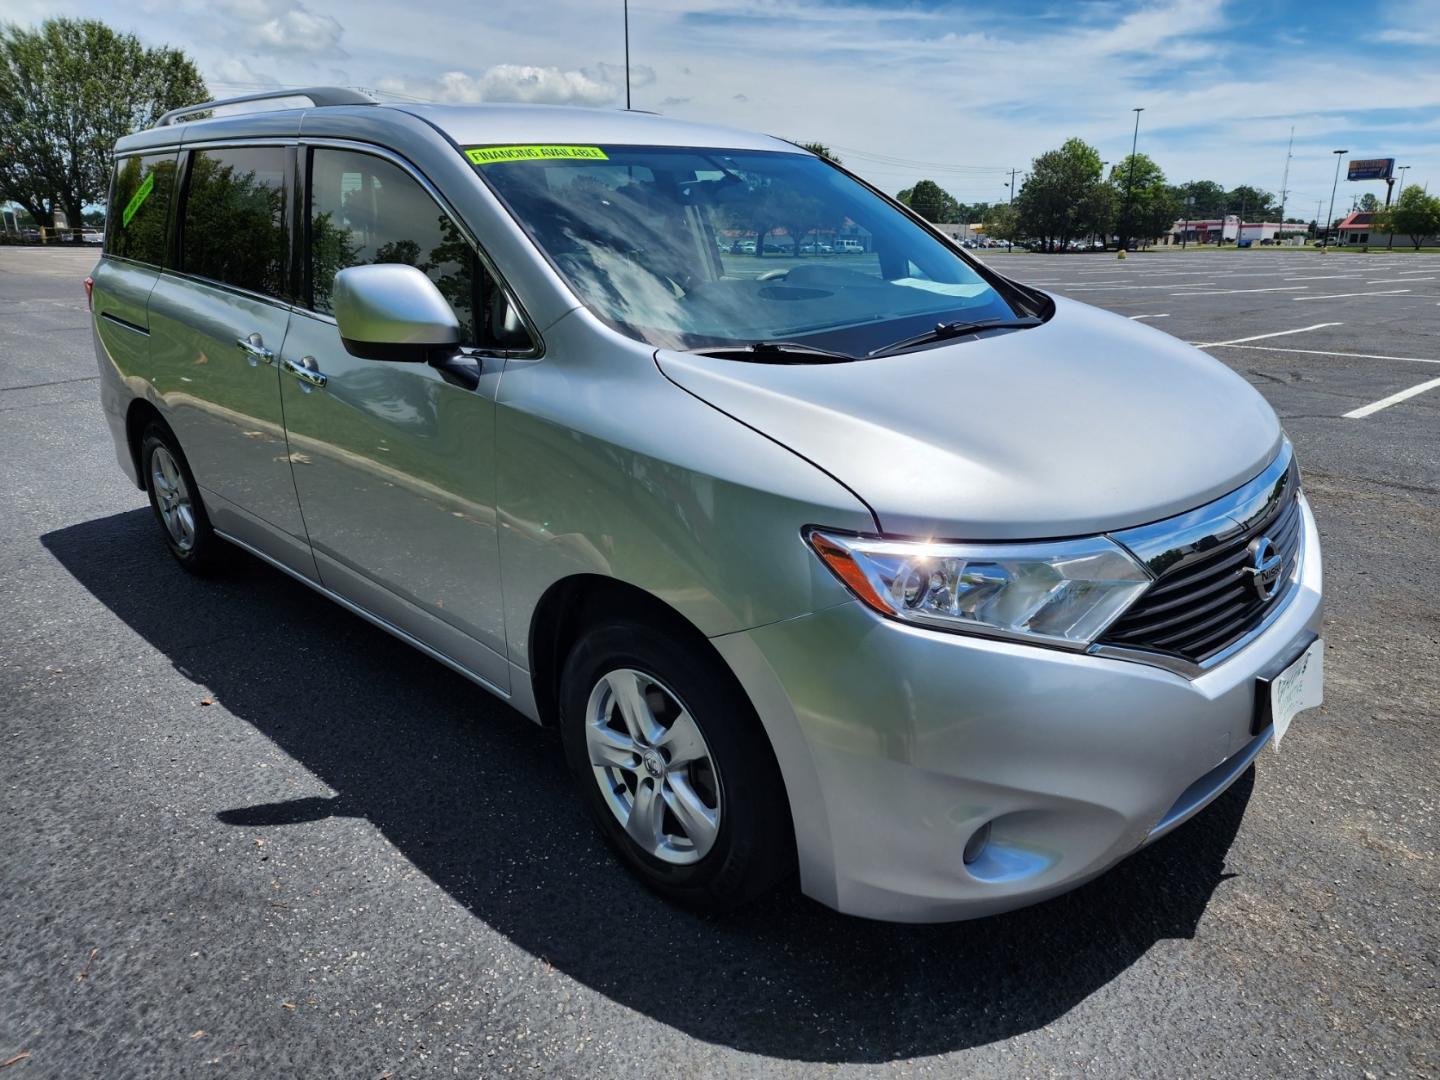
[1063,593]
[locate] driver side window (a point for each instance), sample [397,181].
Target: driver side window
[363,209]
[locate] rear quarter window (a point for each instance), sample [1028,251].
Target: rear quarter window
[137,219]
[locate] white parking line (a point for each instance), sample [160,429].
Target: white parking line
[1227,292]
[1166,315]
[1393,399]
[1324,352]
[1399,280]
[1259,337]
[1102,288]
[1342,295]
[1324,277]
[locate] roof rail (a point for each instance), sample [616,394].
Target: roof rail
[318,95]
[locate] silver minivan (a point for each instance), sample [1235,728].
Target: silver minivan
[827,548]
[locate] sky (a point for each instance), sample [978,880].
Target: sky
[956,92]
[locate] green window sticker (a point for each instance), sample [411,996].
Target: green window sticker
[136,200]
[494,155]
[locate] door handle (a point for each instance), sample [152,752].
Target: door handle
[254,349]
[305,370]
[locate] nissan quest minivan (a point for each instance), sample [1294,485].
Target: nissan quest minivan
[825,547]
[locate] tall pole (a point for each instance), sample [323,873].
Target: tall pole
[1390,190]
[1010,242]
[1130,184]
[627,55]
[1285,180]
[1334,184]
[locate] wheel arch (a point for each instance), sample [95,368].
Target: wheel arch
[574,603]
[140,415]
[560,619]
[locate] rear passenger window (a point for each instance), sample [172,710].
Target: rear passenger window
[139,210]
[365,210]
[233,227]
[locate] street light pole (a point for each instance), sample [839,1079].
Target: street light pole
[1390,238]
[1130,184]
[1329,221]
[1010,241]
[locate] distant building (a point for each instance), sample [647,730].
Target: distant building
[1226,230]
[1355,230]
[957,232]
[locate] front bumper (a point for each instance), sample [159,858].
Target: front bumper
[898,743]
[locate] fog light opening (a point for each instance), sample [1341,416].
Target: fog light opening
[976,845]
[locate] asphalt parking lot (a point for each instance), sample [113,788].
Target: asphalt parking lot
[244,833]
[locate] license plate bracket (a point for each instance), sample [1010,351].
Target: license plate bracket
[1289,687]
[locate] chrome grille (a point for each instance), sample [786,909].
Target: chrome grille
[1204,598]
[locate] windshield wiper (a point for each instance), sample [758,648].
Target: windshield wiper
[944,331]
[774,352]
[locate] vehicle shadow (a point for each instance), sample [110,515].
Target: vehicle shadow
[478,799]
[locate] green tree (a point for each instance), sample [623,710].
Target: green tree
[1210,199]
[1002,222]
[822,150]
[932,202]
[1415,214]
[1369,203]
[1252,202]
[1059,199]
[68,91]
[1147,206]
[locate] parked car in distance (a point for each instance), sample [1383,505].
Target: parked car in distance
[475,374]
[849,246]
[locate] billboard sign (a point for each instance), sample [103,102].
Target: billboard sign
[1371,169]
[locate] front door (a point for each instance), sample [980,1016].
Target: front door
[393,463]
[217,327]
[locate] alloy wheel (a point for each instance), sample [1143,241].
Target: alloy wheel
[653,766]
[172,498]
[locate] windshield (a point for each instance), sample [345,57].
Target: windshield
[686,248]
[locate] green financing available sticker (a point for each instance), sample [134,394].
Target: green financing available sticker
[494,155]
[137,199]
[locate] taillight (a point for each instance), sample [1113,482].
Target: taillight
[90,293]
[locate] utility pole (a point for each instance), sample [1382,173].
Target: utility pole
[627,55]
[1333,185]
[1285,180]
[1130,184]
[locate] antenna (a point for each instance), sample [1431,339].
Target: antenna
[627,54]
[1285,180]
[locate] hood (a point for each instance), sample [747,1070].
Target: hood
[1088,423]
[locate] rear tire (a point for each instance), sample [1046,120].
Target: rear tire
[175,501]
[675,767]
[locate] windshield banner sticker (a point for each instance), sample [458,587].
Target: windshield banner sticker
[493,155]
[135,200]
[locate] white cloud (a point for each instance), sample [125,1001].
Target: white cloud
[517,83]
[298,29]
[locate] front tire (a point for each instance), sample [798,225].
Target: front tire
[175,501]
[673,763]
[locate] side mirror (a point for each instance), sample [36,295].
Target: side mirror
[389,311]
